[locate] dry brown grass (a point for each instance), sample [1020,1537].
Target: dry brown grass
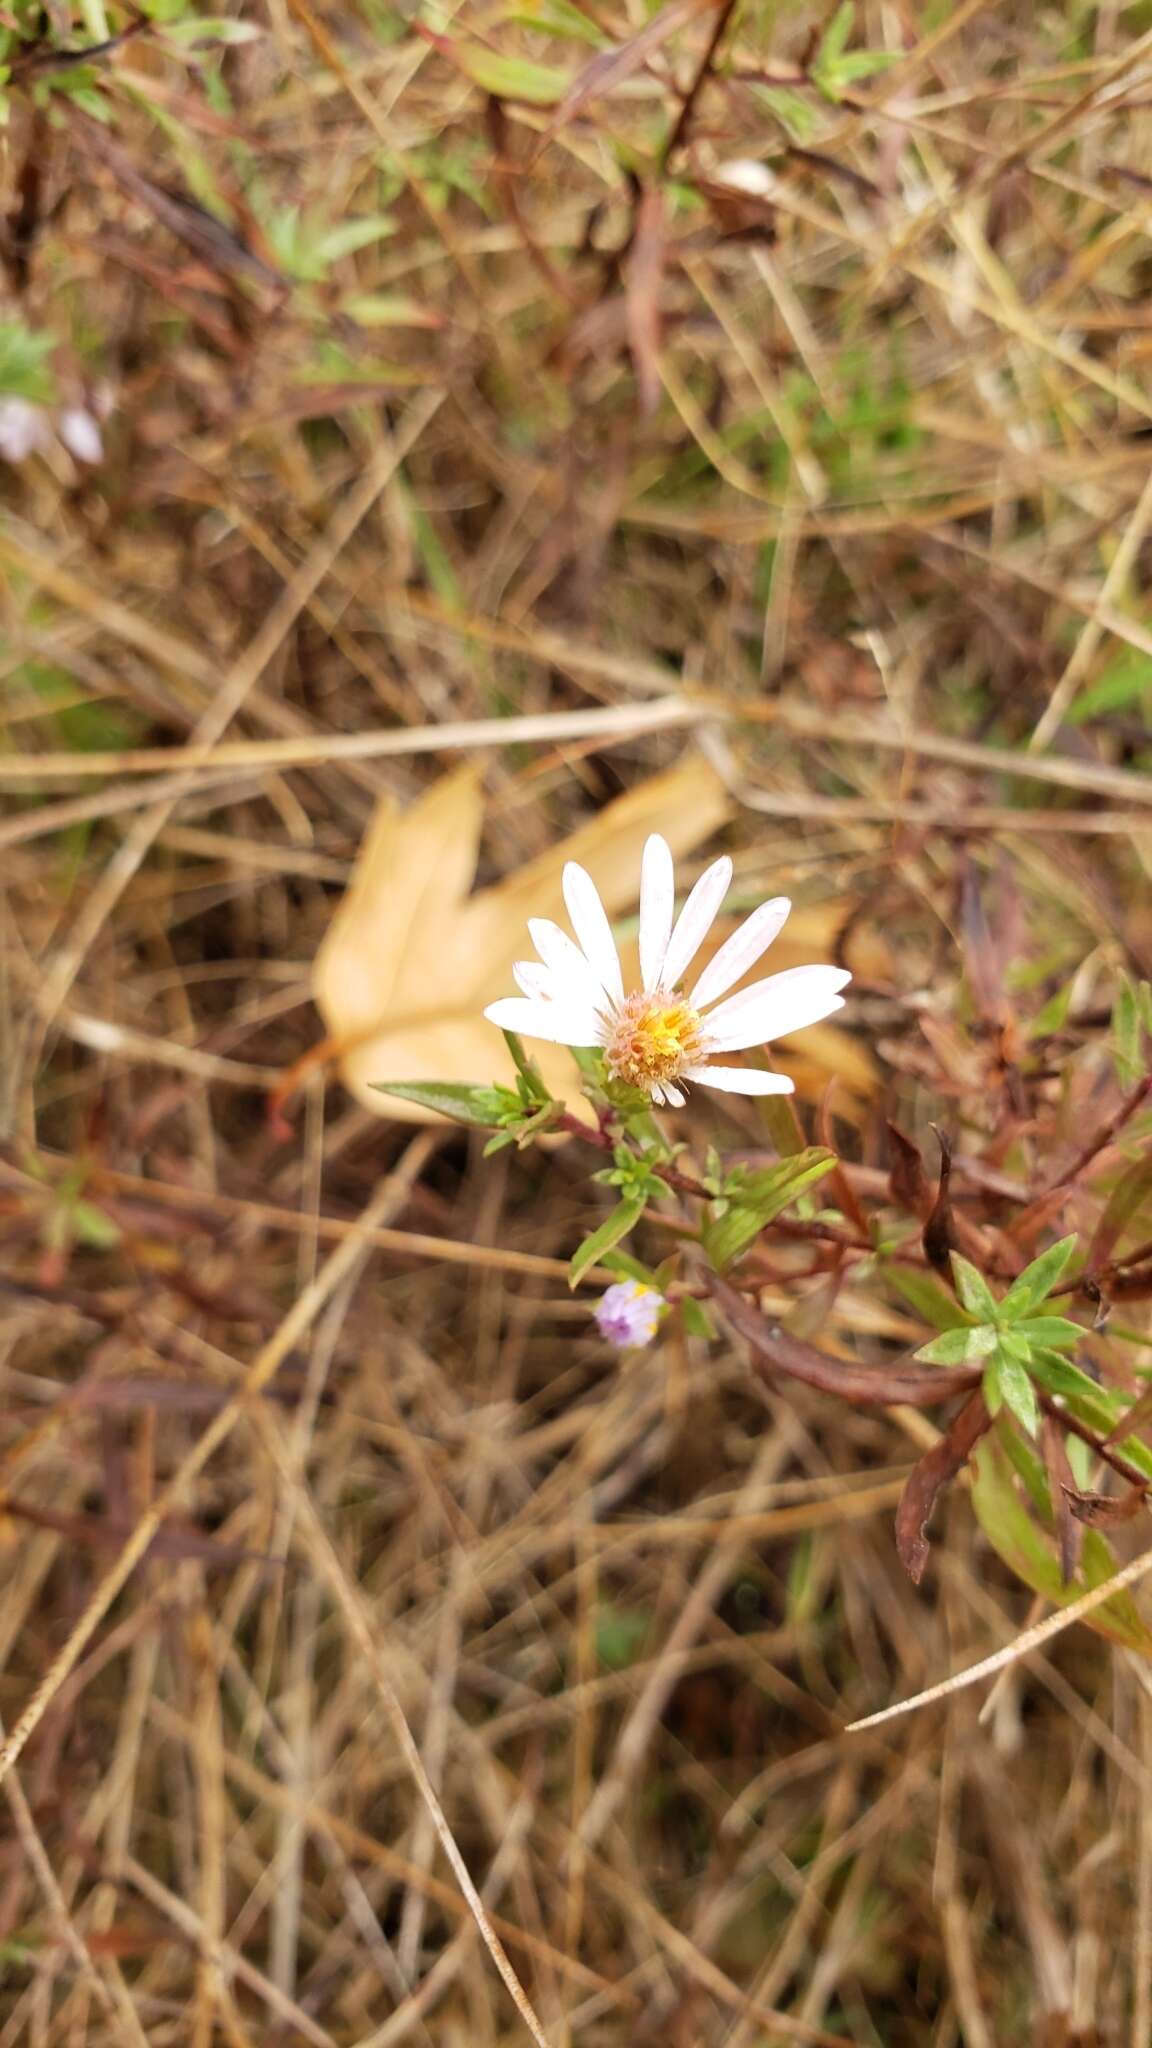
[317,1486]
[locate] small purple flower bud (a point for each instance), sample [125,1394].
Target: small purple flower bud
[629,1313]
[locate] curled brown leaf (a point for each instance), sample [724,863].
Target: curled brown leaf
[877,1386]
[928,1478]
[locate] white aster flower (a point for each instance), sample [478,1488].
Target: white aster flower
[657,1036]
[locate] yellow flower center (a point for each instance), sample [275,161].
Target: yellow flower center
[652,1038]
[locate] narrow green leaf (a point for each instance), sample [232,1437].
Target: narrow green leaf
[527,1069]
[924,1293]
[506,78]
[387,309]
[1016,1390]
[990,1386]
[696,1318]
[1037,1281]
[974,1290]
[464,1104]
[1126,1033]
[499,1143]
[861,64]
[755,1199]
[1090,1403]
[630,1269]
[960,1347]
[1098,1407]
[357,234]
[1054,1330]
[1054,1014]
[204,30]
[555,18]
[834,40]
[623,1218]
[1030,1551]
[91,1226]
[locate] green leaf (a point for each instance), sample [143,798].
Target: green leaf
[696,1318]
[1089,1403]
[623,1218]
[591,1063]
[960,1347]
[1007,1383]
[499,1143]
[835,65]
[924,1293]
[1054,1330]
[24,371]
[506,78]
[387,309]
[795,116]
[1099,1407]
[1054,1014]
[752,1200]
[974,1290]
[555,18]
[527,1069]
[861,64]
[1036,1281]
[1030,1551]
[630,1269]
[834,40]
[347,236]
[91,1226]
[464,1104]
[206,29]
[1125,680]
[620,1634]
[1127,1033]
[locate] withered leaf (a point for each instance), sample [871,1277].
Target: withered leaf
[907,1180]
[928,1478]
[644,276]
[1106,1510]
[609,68]
[876,1386]
[939,1238]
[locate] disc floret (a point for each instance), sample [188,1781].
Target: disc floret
[652,1039]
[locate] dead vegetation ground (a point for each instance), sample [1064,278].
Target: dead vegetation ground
[444,382]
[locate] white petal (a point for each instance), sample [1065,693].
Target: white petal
[694,920]
[592,929]
[566,961]
[656,1092]
[741,1080]
[673,1095]
[535,981]
[657,897]
[775,1008]
[559,1023]
[740,952]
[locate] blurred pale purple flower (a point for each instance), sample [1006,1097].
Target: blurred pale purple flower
[28,429]
[25,429]
[80,434]
[629,1313]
